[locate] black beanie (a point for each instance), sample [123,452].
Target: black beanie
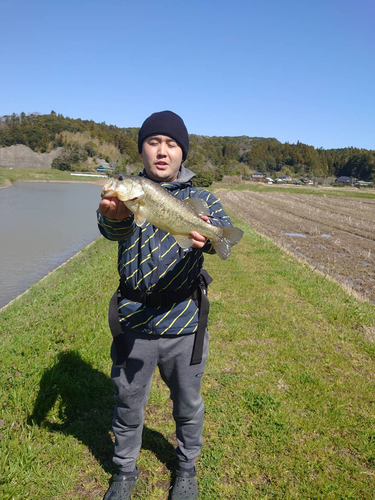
[165,123]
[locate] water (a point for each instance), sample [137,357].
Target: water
[301,235]
[41,226]
[297,235]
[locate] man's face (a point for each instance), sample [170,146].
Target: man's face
[162,157]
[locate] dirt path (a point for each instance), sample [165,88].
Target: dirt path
[333,235]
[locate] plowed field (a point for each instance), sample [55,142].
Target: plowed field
[331,234]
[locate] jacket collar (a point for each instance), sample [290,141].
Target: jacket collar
[183,179]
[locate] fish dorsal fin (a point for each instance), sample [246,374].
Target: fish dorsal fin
[183,240]
[199,206]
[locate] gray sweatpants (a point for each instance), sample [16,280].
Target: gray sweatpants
[172,355]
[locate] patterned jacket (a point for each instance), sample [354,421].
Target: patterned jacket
[149,259]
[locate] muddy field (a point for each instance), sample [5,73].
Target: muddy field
[333,235]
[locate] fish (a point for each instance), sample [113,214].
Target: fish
[152,203]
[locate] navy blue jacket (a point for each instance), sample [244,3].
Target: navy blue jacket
[149,259]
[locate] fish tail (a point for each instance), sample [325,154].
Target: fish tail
[230,236]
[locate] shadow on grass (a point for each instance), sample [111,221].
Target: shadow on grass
[83,398]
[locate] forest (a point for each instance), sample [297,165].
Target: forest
[86,143]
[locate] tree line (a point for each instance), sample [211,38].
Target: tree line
[84,141]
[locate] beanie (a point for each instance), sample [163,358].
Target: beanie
[165,123]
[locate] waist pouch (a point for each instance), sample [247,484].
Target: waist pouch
[198,293]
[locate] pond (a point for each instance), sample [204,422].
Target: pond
[42,225]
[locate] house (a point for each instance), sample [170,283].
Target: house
[258,176]
[284,179]
[362,184]
[344,180]
[306,180]
[105,168]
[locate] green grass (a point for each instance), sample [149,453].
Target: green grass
[289,386]
[22,174]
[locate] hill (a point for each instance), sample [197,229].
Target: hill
[21,156]
[85,144]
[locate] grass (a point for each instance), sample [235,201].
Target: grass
[289,386]
[21,174]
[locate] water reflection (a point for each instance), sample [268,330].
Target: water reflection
[297,235]
[41,226]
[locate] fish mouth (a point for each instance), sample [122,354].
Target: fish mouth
[109,194]
[113,194]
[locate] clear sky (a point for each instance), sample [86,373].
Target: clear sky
[296,70]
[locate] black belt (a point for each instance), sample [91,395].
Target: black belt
[154,299]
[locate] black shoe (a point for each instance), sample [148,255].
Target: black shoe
[185,486]
[122,486]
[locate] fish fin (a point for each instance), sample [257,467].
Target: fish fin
[199,206]
[139,219]
[231,236]
[183,240]
[135,207]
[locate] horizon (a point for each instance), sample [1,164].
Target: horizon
[190,133]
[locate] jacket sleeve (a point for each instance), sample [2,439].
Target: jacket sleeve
[116,230]
[218,216]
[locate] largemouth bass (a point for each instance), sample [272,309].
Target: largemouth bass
[150,202]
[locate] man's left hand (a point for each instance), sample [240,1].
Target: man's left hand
[198,239]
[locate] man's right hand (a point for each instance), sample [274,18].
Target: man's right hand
[113,208]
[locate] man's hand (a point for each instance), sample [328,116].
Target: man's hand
[198,239]
[113,208]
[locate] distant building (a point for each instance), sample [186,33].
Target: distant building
[286,179]
[362,184]
[104,168]
[258,176]
[344,180]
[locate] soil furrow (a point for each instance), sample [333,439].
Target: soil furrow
[341,245]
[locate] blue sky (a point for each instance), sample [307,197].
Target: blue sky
[294,70]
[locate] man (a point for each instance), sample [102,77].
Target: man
[157,332]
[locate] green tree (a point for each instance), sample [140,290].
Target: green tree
[91,149]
